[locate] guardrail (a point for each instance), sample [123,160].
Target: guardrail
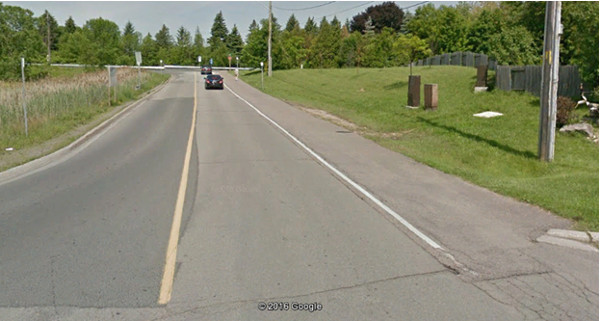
[152,67]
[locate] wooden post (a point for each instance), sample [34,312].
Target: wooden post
[549,81]
[431,96]
[414,91]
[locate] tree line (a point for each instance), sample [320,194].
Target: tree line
[381,36]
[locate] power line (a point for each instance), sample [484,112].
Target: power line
[366,3]
[307,8]
[360,5]
[414,5]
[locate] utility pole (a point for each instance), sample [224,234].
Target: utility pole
[269,61]
[552,31]
[48,27]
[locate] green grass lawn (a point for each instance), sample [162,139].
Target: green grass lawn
[497,153]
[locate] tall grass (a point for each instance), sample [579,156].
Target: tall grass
[57,104]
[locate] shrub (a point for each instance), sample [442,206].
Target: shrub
[564,111]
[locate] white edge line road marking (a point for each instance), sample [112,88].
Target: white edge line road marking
[341,175]
[166,284]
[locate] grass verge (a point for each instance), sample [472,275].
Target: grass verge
[497,153]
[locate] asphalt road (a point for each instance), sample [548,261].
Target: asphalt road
[263,221]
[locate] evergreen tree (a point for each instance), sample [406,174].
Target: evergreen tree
[292,23]
[326,46]
[311,27]
[182,52]
[163,38]
[253,26]
[70,25]
[255,49]
[45,23]
[235,44]
[130,42]
[218,32]
[149,51]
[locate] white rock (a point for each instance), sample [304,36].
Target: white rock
[488,114]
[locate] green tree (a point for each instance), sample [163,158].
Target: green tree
[453,30]
[292,24]
[130,43]
[70,25]
[380,51]
[424,24]
[387,14]
[410,48]
[235,44]
[163,38]
[218,32]
[353,49]
[311,27]
[182,53]
[19,37]
[514,46]
[49,31]
[255,49]
[104,36]
[75,47]
[218,47]
[291,51]
[579,42]
[325,49]
[149,50]
[489,22]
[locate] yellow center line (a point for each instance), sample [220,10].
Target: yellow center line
[166,284]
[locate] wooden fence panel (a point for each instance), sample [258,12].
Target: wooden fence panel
[529,78]
[569,80]
[468,59]
[503,78]
[445,59]
[455,58]
[533,81]
[517,78]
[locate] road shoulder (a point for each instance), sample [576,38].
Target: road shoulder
[494,236]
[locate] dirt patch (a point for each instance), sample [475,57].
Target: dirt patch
[350,125]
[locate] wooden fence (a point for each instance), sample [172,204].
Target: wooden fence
[529,78]
[459,58]
[524,78]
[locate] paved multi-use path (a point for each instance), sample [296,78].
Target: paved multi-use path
[264,220]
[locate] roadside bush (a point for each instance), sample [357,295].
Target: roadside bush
[564,111]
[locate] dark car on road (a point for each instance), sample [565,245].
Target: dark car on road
[206,70]
[213,81]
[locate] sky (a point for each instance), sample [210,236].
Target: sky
[149,16]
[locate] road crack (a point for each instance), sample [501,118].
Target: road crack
[298,296]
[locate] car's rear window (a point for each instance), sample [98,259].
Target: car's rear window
[212,77]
